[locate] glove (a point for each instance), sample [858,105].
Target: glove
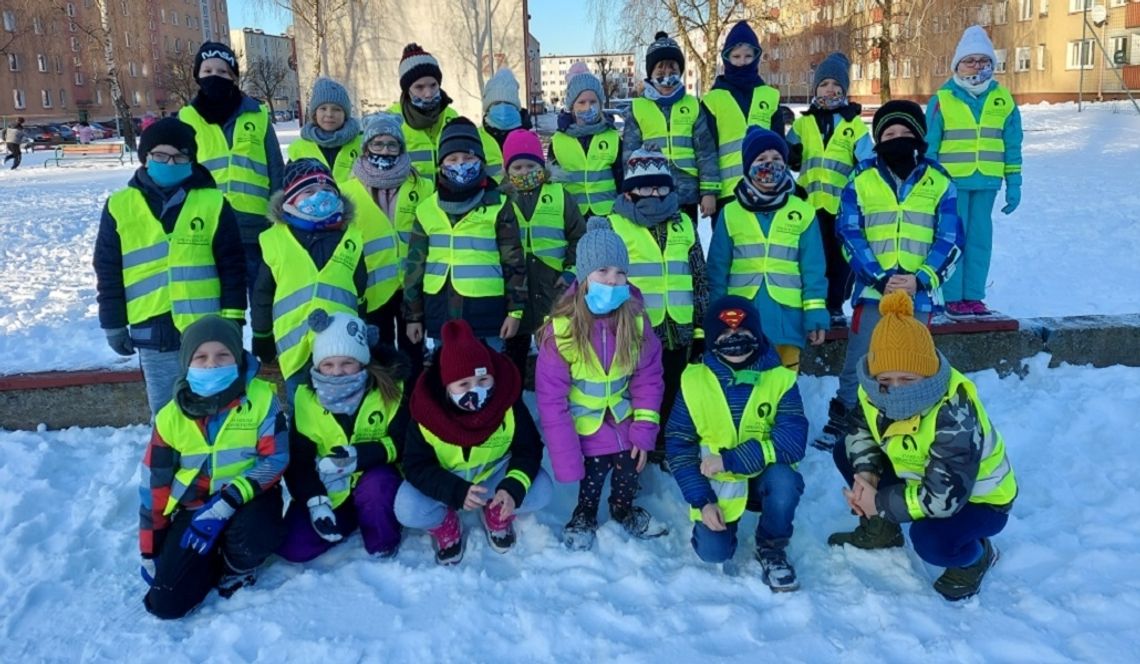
[146,568]
[265,348]
[697,351]
[817,319]
[323,518]
[340,463]
[207,524]
[119,339]
[1012,198]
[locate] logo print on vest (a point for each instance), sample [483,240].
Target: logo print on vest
[605,145]
[849,132]
[197,224]
[414,196]
[675,227]
[547,198]
[354,153]
[764,410]
[248,126]
[764,106]
[375,418]
[350,244]
[795,215]
[684,110]
[908,443]
[244,407]
[928,181]
[999,101]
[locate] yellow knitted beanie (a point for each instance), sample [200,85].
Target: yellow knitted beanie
[899,342]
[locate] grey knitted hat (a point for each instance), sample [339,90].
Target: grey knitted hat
[580,83]
[600,247]
[328,91]
[835,66]
[383,124]
[209,328]
[502,88]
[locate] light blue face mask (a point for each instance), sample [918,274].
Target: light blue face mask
[464,173]
[504,116]
[603,298]
[983,75]
[168,175]
[588,116]
[321,205]
[207,382]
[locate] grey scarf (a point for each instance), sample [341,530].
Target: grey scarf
[340,394]
[460,208]
[377,178]
[901,403]
[576,130]
[649,211]
[331,139]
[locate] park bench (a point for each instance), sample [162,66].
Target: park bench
[114,151]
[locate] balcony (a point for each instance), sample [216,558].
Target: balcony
[1132,15]
[1131,73]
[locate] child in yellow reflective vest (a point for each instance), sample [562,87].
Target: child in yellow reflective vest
[331,135]
[733,439]
[923,450]
[211,502]
[347,432]
[599,385]
[474,447]
[586,151]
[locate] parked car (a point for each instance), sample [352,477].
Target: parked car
[66,134]
[44,134]
[621,105]
[104,129]
[282,116]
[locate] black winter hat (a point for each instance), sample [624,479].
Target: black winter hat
[417,63]
[733,311]
[460,135]
[900,111]
[169,131]
[215,50]
[663,48]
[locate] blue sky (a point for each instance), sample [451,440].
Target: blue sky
[252,14]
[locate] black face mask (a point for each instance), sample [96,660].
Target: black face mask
[901,154]
[737,345]
[216,87]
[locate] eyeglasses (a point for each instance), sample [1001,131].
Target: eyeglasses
[166,158]
[384,146]
[976,63]
[656,190]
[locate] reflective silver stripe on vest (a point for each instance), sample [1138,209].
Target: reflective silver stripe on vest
[783,253]
[247,188]
[829,164]
[292,338]
[421,155]
[548,233]
[149,254]
[730,148]
[382,274]
[602,197]
[297,298]
[405,236]
[653,300]
[476,271]
[959,134]
[919,218]
[678,267]
[494,170]
[336,294]
[202,306]
[435,268]
[743,251]
[989,155]
[378,245]
[734,171]
[680,298]
[957,157]
[688,163]
[991,482]
[597,389]
[557,253]
[232,456]
[197,273]
[245,162]
[825,187]
[146,286]
[439,240]
[681,141]
[216,164]
[744,280]
[785,280]
[991,132]
[645,270]
[589,176]
[882,247]
[474,243]
[914,246]
[880,219]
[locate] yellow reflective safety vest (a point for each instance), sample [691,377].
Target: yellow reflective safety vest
[900,233]
[493,164]
[423,144]
[544,234]
[675,137]
[468,252]
[664,277]
[381,245]
[969,145]
[317,424]
[341,169]
[174,273]
[595,391]
[589,174]
[907,444]
[241,170]
[232,452]
[415,190]
[483,460]
[731,125]
[712,418]
[825,170]
[301,288]
[772,261]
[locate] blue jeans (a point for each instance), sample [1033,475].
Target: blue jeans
[161,371]
[863,322]
[776,494]
[415,510]
[968,282]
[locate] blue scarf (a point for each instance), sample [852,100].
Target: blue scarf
[331,139]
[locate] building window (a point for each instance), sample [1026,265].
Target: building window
[999,60]
[1118,51]
[1044,11]
[1080,55]
[79,78]
[138,98]
[13,62]
[18,100]
[174,18]
[985,15]
[857,71]
[58,64]
[1001,13]
[1023,57]
[906,68]
[37,25]
[45,98]
[127,41]
[71,9]
[1041,57]
[1079,5]
[98,97]
[132,69]
[1117,3]
[177,45]
[41,63]
[75,44]
[1026,12]
[63,99]
[72,27]
[9,21]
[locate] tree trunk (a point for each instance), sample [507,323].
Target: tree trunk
[885,43]
[122,108]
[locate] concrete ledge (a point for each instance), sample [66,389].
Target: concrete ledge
[106,398]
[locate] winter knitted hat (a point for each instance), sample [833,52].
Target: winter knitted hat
[168,131]
[835,66]
[600,247]
[502,88]
[581,83]
[663,48]
[578,67]
[899,342]
[899,111]
[210,50]
[415,64]
[741,34]
[460,135]
[301,173]
[462,354]
[522,144]
[974,41]
[209,328]
[732,311]
[646,167]
[383,124]
[759,140]
[328,91]
[339,335]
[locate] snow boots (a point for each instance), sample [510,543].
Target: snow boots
[872,533]
[777,573]
[958,583]
[838,424]
[448,538]
[638,522]
[231,582]
[500,530]
[580,532]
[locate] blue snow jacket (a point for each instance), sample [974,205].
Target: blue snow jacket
[1012,136]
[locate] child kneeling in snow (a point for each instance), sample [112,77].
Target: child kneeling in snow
[923,449]
[349,425]
[474,445]
[210,500]
[599,387]
[733,440]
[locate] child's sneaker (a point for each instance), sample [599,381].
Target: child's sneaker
[580,532]
[639,523]
[448,538]
[959,310]
[979,308]
[836,427]
[838,318]
[958,583]
[778,574]
[500,531]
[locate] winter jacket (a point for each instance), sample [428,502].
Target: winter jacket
[545,284]
[161,461]
[552,390]
[743,97]
[159,333]
[783,325]
[1012,136]
[14,134]
[683,444]
[689,188]
[827,121]
[485,314]
[949,239]
[320,245]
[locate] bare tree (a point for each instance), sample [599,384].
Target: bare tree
[177,78]
[473,29]
[607,75]
[263,77]
[892,29]
[315,20]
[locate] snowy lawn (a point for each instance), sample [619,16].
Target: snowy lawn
[1066,587]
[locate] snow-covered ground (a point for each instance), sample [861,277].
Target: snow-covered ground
[1066,588]
[1070,249]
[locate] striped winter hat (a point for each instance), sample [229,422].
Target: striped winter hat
[417,63]
[647,167]
[900,111]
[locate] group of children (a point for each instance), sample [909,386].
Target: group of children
[386,231]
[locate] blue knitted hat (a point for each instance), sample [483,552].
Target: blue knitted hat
[835,66]
[759,140]
[328,91]
[741,34]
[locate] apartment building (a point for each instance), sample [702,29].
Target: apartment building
[264,60]
[621,72]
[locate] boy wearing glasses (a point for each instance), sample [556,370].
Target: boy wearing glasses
[667,265]
[167,253]
[974,131]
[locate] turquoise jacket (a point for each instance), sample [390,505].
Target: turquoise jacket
[784,326]
[1011,134]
